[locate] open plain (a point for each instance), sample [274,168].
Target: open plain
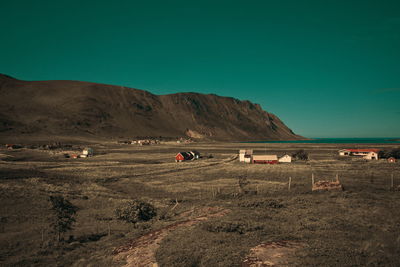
[204,218]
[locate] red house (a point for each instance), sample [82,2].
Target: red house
[182,156]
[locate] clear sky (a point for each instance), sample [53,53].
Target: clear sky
[326,68]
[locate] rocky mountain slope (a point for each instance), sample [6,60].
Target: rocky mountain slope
[83,108]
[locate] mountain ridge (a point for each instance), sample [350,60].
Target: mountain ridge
[66,107]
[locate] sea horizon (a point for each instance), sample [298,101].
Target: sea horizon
[338,140]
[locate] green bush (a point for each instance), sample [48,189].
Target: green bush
[135,211]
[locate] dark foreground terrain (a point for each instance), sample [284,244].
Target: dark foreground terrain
[203,217]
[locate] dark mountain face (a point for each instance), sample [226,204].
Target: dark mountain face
[82,108]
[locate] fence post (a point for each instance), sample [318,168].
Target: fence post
[312,178]
[392,182]
[290,181]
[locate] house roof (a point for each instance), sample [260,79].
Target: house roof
[265,157]
[362,150]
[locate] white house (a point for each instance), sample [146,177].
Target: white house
[285,158]
[245,155]
[88,152]
[371,155]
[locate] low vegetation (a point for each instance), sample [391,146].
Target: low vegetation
[300,155]
[135,211]
[127,192]
[388,153]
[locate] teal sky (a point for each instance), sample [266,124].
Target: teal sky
[326,68]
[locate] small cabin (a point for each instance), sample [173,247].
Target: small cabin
[265,159]
[182,156]
[391,160]
[286,158]
[245,155]
[370,154]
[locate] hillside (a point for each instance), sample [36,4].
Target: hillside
[77,108]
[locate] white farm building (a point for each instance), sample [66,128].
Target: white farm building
[245,155]
[285,158]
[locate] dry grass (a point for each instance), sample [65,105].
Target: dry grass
[358,226]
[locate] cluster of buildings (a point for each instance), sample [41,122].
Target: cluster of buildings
[184,140]
[145,142]
[12,146]
[246,155]
[87,152]
[370,154]
[141,142]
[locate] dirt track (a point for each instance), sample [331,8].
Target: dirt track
[141,252]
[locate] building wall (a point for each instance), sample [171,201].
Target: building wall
[371,155]
[285,159]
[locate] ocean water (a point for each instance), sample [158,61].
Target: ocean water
[340,141]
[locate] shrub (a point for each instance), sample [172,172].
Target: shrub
[64,213]
[267,203]
[135,211]
[395,152]
[300,154]
[231,227]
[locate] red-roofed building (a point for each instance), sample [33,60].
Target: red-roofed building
[364,153]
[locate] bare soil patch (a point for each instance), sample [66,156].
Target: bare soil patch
[141,252]
[275,254]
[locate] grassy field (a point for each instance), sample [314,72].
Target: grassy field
[359,226]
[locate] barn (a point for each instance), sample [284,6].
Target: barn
[182,156]
[265,159]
